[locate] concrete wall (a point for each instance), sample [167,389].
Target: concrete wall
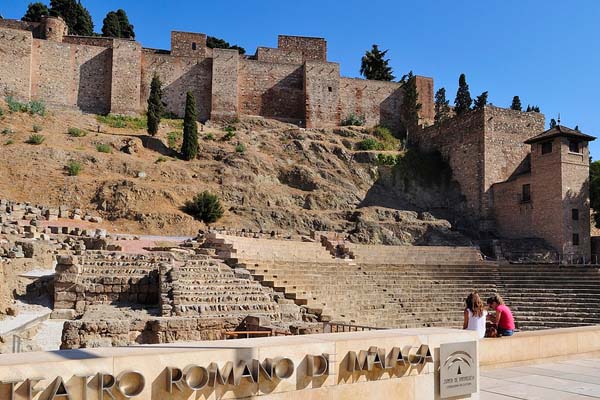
[15,63]
[271,90]
[417,382]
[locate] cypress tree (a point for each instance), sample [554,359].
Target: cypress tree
[463,100]
[516,104]
[75,15]
[409,110]
[126,28]
[189,147]
[375,66]
[111,27]
[35,12]
[481,101]
[155,105]
[442,108]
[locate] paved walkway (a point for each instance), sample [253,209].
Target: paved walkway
[564,380]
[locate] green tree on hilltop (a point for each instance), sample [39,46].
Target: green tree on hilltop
[35,12]
[463,100]
[75,15]
[189,147]
[374,65]
[217,43]
[155,105]
[442,107]
[116,24]
[481,101]
[410,107]
[516,104]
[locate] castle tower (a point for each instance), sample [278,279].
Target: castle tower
[559,190]
[54,28]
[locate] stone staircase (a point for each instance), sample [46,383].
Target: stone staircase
[207,288]
[414,255]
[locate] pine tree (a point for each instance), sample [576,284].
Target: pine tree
[374,65]
[217,43]
[205,207]
[189,147]
[552,123]
[463,100]
[155,105]
[75,15]
[35,12]
[409,110]
[516,104]
[442,108]
[481,101]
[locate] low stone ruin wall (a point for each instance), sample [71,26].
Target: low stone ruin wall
[110,333]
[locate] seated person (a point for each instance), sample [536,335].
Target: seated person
[504,321]
[475,314]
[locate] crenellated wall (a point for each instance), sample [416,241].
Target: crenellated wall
[293,82]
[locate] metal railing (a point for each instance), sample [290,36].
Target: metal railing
[335,327]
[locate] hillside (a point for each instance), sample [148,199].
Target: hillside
[269,175]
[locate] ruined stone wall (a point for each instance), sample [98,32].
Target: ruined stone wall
[312,49]
[178,75]
[126,77]
[225,77]
[271,90]
[461,143]
[425,92]
[514,218]
[322,94]
[72,75]
[280,56]
[15,63]
[505,150]
[112,333]
[188,44]
[379,102]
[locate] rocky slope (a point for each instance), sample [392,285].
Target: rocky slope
[270,176]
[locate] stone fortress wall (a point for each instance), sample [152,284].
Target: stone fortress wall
[293,82]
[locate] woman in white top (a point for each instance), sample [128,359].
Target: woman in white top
[475,315]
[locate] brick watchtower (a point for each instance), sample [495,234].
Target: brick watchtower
[559,190]
[54,28]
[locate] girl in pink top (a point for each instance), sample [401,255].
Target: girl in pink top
[504,321]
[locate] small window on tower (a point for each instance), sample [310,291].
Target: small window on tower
[546,147]
[574,146]
[576,239]
[193,45]
[49,29]
[330,89]
[575,214]
[526,194]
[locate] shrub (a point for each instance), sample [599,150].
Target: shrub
[240,148]
[104,148]
[9,142]
[36,139]
[37,128]
[386,159]
[230,133]
[1,112]
[36,107]
[14,105]
[74,168]
[160,159]
[7,131]
[354,120]
[369,144]
[173,139]
[123,121]
[209,136]
[204,207]
[386,138]
[428,168]
[76,132]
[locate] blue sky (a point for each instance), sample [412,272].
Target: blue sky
[547,52]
